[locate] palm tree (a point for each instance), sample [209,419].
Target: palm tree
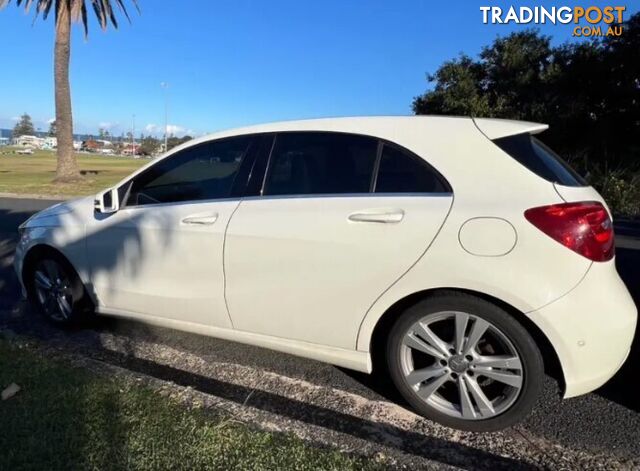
[67,11]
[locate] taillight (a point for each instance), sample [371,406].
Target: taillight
[583,227]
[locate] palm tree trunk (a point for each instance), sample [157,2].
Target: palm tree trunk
[67,168]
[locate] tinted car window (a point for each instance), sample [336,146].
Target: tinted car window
[540,159]
[402,172]
[202,172]
[309,163]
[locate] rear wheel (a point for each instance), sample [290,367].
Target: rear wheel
[56,291]
[464,362]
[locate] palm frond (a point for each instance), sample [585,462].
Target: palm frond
[97,9]
[46,8]
[106,7]
[79,14]
[103,9]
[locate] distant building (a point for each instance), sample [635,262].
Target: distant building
[131,149]
[4,141]
[50,143]
[98,145]
[29,141]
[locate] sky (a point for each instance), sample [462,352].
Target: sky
[231,63]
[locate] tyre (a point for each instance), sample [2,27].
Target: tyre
[464,362]
[55,290]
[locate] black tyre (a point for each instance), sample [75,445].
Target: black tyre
[464,362]
[55,290]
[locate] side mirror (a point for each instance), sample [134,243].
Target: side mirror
[107,202]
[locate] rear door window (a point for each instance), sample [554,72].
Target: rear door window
[320,163]
[540,159]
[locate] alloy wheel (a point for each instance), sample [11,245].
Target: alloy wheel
[461,365]
[53,290]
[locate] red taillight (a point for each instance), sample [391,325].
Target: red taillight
[583,227]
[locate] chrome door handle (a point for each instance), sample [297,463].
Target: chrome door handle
[203,220]
[385,217]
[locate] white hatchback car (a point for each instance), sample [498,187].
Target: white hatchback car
[456,253]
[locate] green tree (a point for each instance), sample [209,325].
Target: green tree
[587,91]
[67,11]
[24,126]
[149,145]
[176,141]
[52,129]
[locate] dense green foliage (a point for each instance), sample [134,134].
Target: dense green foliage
[67,418]
[173,141]
[588,92]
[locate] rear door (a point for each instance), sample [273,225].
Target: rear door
[339,218]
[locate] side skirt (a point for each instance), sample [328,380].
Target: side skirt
[351,359]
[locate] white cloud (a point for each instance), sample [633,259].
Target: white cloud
[15,118]
[172,130]
[51,120]
[108,125]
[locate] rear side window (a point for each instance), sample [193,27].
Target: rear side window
[540,159]
[311,163]
[403,172]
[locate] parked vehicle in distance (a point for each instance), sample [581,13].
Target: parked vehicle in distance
[461,256]
[25,151]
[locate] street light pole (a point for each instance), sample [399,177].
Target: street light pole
[165,87]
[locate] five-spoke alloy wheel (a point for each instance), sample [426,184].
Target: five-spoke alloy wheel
[464,362]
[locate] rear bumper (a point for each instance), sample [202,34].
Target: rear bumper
[591,328]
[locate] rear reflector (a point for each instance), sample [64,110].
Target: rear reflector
[583,227]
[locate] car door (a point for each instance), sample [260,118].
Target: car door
[160,255]
[339,219]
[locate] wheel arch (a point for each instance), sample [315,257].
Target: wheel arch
[37,251]
[382,327]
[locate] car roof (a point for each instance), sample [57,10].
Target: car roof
[459,147]
[382,125]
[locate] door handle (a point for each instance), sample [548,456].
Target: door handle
[386,216]
[203,220]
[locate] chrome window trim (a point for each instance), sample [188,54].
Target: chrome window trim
[300,196]
[174,203]
[351,195]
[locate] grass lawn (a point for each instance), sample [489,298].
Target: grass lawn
[32,174]
[69,418]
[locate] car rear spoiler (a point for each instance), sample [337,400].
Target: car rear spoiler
[497,128]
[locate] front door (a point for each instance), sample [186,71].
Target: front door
[161,254]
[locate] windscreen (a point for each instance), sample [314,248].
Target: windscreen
[540,159]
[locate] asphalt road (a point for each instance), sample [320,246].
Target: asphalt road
[359,413]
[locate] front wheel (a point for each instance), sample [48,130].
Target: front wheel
[465,363]
[56,291]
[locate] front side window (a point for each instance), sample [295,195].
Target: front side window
[403,172]
[202,172]
[312,163]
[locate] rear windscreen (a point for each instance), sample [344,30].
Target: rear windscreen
[541,160]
